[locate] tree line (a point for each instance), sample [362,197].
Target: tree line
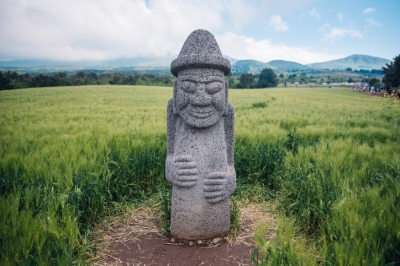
[265,79]
[365,71]
[14,80]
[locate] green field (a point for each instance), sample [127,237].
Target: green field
[330,159]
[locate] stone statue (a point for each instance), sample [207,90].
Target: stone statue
[200,124]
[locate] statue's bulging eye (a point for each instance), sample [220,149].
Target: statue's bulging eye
[187,86]
[214,87]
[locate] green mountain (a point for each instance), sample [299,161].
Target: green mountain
[249,66]
[287,65]
[355,62]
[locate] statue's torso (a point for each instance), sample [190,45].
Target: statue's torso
[192,215]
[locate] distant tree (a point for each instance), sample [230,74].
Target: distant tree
[78,78]
[267,78]
[162,80]
[350,80]
[4,82]
[373,81]
[232,81]
[132,80]
[150,76]
[364,71]
[92,78]
[246,80]
[377,85]
[303,78]
[41,81]
[62,79]
[118,79]
[349,69]
[392,73]
[13,80]
[376,72]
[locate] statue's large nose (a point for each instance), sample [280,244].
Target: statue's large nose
[201,97]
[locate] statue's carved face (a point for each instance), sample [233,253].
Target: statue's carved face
[200,96]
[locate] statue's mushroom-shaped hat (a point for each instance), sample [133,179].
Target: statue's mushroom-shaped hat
[200,50]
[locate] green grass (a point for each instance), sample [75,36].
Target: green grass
[71,155]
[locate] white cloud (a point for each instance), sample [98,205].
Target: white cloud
[373,22]
[239,13]
[333,33]
[242,47]
[101,29]
[73,30]
[340,17]
[369,10]
[313,13]
[278,24]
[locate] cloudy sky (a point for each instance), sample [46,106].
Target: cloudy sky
[305,31]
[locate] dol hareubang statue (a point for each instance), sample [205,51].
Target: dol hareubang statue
[200,125]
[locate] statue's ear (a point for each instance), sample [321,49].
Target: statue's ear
[226,97]
[174,109]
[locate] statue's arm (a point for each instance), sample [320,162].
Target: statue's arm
[171,120]
[219,185]
[230,142]
[179,170]
[229,133]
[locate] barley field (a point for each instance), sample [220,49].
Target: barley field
[70,156]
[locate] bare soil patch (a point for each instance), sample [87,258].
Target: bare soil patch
[381,93]
[137,240]
[378,94]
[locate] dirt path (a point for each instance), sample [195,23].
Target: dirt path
[378,94]
[138,241]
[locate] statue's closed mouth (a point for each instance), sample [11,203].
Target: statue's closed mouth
[201,112]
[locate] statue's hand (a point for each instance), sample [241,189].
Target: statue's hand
[216,186]
[181,170]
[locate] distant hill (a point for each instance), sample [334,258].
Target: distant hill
[231,60]
[355,62]
[249,66]
[287,65]
[162,64]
